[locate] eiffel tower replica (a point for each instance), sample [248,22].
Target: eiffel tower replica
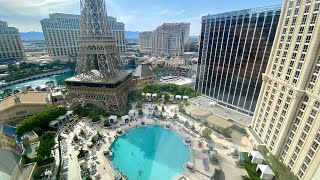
[100,78]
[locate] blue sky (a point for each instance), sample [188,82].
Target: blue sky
[138,15]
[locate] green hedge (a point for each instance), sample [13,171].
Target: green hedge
[40,119]
[170,88]
[251,168]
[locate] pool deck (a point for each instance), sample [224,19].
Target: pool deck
[102,164]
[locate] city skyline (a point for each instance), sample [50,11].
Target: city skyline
[26,16]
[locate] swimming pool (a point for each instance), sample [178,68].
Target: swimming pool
[155,152]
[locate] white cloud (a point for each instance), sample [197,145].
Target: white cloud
[26,14]
[180,12]
[164,12]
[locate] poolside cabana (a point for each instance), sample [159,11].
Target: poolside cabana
[112,119]
[185,98]
[266,172]
[154,95]
[256,157]
[132,113]
[119,131]
[125,118]
[190,165]
[148,95]
[178,97]
[188,140]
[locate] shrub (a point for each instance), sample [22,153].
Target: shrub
[106,123]
[169,88]
[46,161]
[40,120]
[82,153]
[239,129]
[96,119]
[206,133]
[75,138]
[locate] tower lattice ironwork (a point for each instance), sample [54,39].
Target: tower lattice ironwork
[97,44]
[100,78]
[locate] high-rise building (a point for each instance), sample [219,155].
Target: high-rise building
[61,33]
[11,47]
[100,77]
[145,41]
[287,117]
[117,29]
[170,39]
[234,51]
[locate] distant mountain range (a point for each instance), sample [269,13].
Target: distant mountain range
[33,36]
[132,34]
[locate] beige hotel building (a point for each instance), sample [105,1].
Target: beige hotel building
[287,117]
[10,43]
[61,33]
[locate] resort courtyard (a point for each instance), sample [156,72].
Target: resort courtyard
[98,163]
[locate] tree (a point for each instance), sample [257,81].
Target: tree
[140,112]
[95,119]
[46,144]
[235,152]
[206,133]
[161,115]
[81,132]
[156,108]
[214,159]
[93,140]
[218,175]
[175,116]
[75,138]
[163,110]
[193,128]
[106,123]
[166,96]
[186,123]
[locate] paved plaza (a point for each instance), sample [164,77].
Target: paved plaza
[224,112]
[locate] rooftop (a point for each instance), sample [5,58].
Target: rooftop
[96,77]
[26,171]
[30,150]
[28,97]
[143,70]
[10,131]
[244,12]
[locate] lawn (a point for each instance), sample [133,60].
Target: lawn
[251,168]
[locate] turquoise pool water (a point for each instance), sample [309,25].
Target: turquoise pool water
[158,153]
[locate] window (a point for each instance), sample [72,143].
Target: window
[306,10]
[299,38]
[308,38]
[310,29]
[301,30]
[314,18]
[305,48]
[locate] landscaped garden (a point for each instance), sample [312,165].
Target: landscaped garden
[39,122]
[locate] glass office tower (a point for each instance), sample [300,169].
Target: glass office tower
[233,54]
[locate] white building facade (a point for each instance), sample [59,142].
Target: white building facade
[61,33]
